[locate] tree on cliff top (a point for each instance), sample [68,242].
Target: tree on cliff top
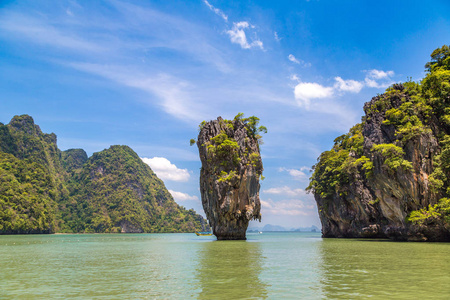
[251,124]
[440,57]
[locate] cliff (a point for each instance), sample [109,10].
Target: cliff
[45,190]
[389,176]
[230,173]
[31,178]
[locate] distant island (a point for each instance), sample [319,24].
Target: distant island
[270,227]
[46,190]
[389,177]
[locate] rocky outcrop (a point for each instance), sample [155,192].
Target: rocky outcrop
[229,178]
[383,177]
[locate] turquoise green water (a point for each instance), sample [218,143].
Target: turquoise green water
[183,266]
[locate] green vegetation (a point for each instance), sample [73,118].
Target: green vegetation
[414,110]
[116,187]
[27,196]
[433,215]
[44,190]
[251,124]
[224,149]
[334,168]
[393,156]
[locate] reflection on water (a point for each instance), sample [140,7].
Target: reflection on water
[230,270]
[106,266]
[184,266]
[384,270]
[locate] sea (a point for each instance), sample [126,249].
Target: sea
[271,265]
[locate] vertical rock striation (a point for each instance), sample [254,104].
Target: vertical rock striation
[229,178]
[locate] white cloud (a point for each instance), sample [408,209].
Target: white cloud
[306,91]
[165,170]
[238,36]
[285,190]
[179,196]
[352,86]
[216,11]
[293,59]
[287,207]
[379,74]
[298,174]
[378,78]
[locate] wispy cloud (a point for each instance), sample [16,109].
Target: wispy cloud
[237,33]
[179,196]
[287,208]
[379,74]
[351,86]
[32,29]
[216,11]
[293,59]
[277,38]
[294,77]
[285,190]
[298,174]
[172,92]
[379,79]
[297,61]
[238,36]
[165,170]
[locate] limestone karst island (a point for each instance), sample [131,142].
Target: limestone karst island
[46,190]
[389,177]
[230,174]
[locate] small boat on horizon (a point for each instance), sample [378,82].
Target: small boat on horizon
[203,233]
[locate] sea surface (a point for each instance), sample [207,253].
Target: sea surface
[284,265]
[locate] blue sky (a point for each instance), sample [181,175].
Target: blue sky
[146,73]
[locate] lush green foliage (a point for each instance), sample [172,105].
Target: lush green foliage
[73,159]
[45,190]
[114,187]
[440,58]
[27,196]
[434,214]
[334,168]
[393,156]
[225,149]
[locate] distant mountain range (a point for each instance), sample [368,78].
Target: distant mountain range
[270,227]
[46,190]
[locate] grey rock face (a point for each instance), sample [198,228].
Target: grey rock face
[377,206]
[229,178]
